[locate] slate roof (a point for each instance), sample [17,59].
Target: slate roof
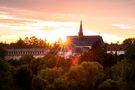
[85,40]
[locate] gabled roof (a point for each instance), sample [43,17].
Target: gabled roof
[85,40]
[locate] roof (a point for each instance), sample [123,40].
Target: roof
[26,49]
[85,40]
[115,47]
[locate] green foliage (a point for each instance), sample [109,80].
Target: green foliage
[6,76]
[96,70]
[50,60]
[127,80]
[26,59]
[99,55]
[130,53]
[108,85]
[61,83]
[23,78]
[37,65]
[50,74]
[38,83]
[86,75]
[14,63]
[2,52]
[117,70]
[129,73]
[4,66]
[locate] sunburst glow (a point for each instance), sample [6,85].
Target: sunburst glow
[43,21]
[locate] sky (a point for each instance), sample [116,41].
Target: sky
[114,20]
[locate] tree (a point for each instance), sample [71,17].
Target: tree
[130,53]
[50,60]
[129,41]
[84,76]
[117,70]
[26,59]
[14,63]
[6,76]
[38,83]
[23,78]
[108,85]
[61,83]
[31,42]
[2,52]
[128,80]
[19,44]
[50,74]
[37,65]
[99,55]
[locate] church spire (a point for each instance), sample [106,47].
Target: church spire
[80,30]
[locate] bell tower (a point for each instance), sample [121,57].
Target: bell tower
[80,33]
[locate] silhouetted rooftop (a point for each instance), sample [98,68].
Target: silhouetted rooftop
[85,40]
[115,47]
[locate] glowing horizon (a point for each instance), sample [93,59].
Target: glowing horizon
[113,20]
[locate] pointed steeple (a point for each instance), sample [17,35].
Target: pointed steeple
[80,33]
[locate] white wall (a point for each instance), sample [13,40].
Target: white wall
[118,52]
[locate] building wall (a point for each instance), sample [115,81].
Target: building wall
[17,53]
[118,52]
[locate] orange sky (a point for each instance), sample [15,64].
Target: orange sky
[114,20]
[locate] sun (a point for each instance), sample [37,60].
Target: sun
[54,34]
[52,37]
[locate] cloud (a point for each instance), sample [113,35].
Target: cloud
[12,27]
[40,17]
[14,20]
[22,26]
[10,17]
[122,26]
[87,7]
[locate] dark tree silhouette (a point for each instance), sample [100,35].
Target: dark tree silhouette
[130,53]
[23,78]
[129,41]
[2,52]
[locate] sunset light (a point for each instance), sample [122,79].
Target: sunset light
[45,22]
[67,44]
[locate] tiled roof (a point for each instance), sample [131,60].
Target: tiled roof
[85,40]
[27,49]
[115,47]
